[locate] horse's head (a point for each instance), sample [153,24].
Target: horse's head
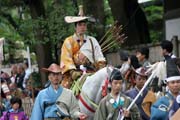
[93,84]
[109,70]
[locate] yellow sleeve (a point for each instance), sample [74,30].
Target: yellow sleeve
[67,51]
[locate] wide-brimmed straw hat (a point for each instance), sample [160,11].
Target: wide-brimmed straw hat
[80,17]
[73,19]
[54,68]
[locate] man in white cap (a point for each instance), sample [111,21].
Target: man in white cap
[79,49]
[160,109]
[55,102]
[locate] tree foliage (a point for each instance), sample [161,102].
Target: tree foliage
[42,26]
[53,27]
[154,15]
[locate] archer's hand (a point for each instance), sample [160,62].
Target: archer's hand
[126,113]
[75,74]
[82,116]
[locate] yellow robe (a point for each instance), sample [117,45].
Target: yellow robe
[71,49]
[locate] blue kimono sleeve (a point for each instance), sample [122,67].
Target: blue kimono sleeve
[160,109]
[38,110]
[174,108]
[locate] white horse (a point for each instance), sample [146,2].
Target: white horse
[91,92]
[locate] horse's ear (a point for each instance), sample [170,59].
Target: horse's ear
[109,70]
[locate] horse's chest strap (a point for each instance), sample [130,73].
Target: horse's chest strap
[85,104]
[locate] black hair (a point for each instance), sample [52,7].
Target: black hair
[165,44]
[115,75]
[123,55]
[144,51]
[134,62]
[82,21]
[14,100]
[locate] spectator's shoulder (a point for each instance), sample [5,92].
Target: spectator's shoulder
[162,101]
[42,91]
[128,92]
[65,90]
[126,97]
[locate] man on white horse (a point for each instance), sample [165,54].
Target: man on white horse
[79,49]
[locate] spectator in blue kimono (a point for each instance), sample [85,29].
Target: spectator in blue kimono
[175,106]
[55,102]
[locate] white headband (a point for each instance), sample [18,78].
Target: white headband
[173,78]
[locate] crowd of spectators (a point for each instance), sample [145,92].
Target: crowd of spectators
[16,85]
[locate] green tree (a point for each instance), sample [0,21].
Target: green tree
[39,24]
[154,15]
[130,15]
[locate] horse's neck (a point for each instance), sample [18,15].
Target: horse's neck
[98,95]
[100,76]
[93,85]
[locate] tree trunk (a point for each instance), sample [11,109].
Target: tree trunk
[130,15]
[90,8]
[43,51]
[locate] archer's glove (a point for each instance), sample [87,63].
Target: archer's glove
[75,74]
